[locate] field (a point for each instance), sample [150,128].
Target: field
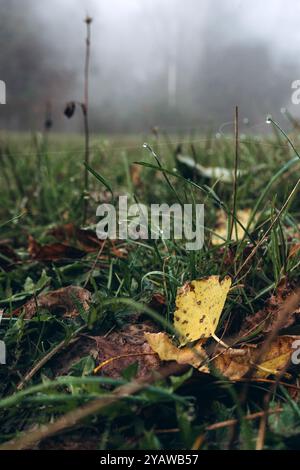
[75,310]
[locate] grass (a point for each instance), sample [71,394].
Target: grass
[41,187]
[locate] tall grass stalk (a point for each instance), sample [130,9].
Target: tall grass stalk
[85,110]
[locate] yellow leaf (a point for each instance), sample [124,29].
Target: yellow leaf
[199,305]
[220,233]
[167,351]
[232,363]
[235,366]
[277,357]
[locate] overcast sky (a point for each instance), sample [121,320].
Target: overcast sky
[149,56]
[275,22]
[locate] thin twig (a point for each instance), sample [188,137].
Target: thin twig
[232,422]
[85,110]
[236,165]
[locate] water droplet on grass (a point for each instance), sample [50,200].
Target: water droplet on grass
[269,119]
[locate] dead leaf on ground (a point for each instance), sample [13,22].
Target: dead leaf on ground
[86,239]
[52,252]
[199,305]
[265,318]
[221,230]
[64,301]
[231,363]
[235,366]
[162,345]
[232,366]
[125,346]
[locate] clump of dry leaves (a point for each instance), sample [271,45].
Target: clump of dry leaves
[199,306]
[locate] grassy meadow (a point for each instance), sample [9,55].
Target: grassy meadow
[127,287]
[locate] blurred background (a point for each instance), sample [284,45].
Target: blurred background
[180,65]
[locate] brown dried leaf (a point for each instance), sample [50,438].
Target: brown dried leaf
[52,252]
[86,239]
[235,366]
[63,301]
[128,343]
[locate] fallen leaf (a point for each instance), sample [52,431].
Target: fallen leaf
[231,363]
[162,345]
[199,305]
[64,301]
[232,366]
[118,350]
[277,357]
[86,239]
[236,366]
[220,232]
[52,252]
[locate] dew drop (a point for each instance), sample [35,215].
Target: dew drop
[269,119]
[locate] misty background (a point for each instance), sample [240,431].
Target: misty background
[176,64]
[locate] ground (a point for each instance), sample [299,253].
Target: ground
[70,303]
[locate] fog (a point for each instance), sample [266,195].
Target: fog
[179,65]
